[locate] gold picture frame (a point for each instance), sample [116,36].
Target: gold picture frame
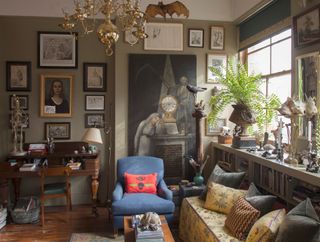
[56,95]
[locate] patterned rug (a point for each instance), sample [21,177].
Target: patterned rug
[91,237]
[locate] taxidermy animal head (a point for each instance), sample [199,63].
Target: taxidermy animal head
[176,7]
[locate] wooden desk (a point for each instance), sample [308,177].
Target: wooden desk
[129,235]
[91,167]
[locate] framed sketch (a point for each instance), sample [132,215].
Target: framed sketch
[94,120]
[195,38]
[57,49]
[18,75]
[217,38]
[57,130]
[94,102]
[56,95]
[217,61]
[307,27]
[94,77]
[164,36]
[23,101]
[212,130]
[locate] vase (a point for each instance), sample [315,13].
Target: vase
[198,179]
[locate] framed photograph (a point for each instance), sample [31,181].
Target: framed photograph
[217,38]
[212,130]
[216,61]
[56,95]
[164,36]
[94,102]
[94,120]
[195,38]
[57,130]
[18,75]
[307,27]
[94,77]
[23,101]
[57,49]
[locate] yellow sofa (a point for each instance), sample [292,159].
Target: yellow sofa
[198,224]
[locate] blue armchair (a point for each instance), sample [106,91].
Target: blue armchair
[126,204]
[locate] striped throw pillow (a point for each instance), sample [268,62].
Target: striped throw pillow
[241,218]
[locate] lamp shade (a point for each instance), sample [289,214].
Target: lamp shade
[92,135]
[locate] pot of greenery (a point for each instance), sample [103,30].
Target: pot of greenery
[240,89]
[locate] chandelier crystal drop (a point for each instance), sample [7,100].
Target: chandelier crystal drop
[127,12]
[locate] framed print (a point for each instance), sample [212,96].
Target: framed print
[57,130]
[164,36]
[18,75]
[217,38]
[195,38]
[56,95]
[212,130]
[307,27]
[57,49]
[216,61]
[94,77]
[23,101]
[94,102]
[94,120]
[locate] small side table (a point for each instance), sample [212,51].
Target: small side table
[190,191]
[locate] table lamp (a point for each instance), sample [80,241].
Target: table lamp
[92,135]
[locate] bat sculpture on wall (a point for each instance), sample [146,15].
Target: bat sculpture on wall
[163,9]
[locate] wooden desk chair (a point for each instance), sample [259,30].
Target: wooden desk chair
[55,190]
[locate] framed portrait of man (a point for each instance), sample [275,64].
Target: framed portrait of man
[94,77]
[18,75]
[56,95]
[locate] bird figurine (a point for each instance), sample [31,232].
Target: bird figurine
[194,90]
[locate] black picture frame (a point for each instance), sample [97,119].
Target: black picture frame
[23,100]
[94,77]
[196,38]
[57,50]
[306,27]
[18,75]
[94,102]
[57,130]
[96,120]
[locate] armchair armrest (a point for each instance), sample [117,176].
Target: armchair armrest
[163,191]
[117,192]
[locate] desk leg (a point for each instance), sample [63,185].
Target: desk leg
[4,192]
[16,187]
[94,190]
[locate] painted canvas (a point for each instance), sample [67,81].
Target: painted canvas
[160,106]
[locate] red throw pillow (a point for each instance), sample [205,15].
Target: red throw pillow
[140,183]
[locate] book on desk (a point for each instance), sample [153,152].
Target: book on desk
[28,167]
[146,235]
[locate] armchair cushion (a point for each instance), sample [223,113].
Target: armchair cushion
[140,183]
[118,192]
[137,203]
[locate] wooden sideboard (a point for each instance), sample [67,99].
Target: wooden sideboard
[290,183]
[63,153]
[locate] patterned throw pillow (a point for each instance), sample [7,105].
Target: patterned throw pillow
[140,183]
[265,229]
[221,198]
[241,218]
[229,179]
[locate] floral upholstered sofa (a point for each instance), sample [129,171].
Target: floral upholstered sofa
[200,224]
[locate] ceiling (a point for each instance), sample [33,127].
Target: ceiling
[217,10]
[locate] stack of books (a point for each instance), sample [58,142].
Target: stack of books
[74,165]
[146,235]
[28,167]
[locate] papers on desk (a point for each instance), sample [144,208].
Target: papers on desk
[74,165]
[28,167]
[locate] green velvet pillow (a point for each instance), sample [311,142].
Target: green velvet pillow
[228,179]
[300,224]
[263,203]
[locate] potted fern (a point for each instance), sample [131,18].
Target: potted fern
[241,90]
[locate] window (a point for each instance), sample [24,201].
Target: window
[271,58]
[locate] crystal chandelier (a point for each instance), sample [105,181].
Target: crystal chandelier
[128,12]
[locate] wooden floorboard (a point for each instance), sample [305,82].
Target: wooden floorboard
[59,225]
